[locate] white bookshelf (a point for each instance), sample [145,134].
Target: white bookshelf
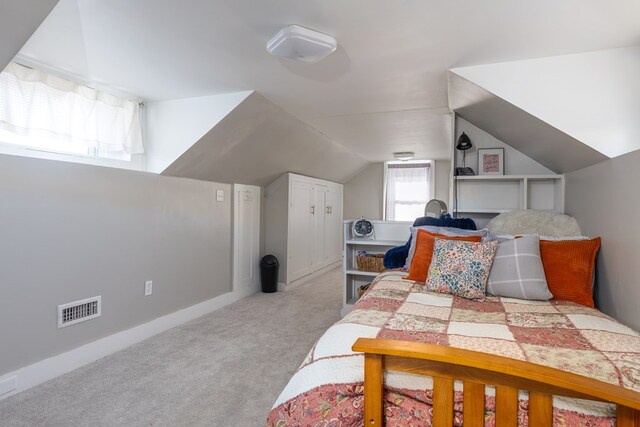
[482,197]
[387,234]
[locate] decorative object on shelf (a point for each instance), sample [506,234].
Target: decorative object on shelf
[373,263]
[435,208]
[362,289]
[362,229]
[491,161]
[463,144]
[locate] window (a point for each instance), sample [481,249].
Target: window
[408,188]
[40,111]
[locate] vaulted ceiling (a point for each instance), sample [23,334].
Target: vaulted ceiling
[383,90]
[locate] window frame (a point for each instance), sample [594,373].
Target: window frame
[432,181]
[137,161]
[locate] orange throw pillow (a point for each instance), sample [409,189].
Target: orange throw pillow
[421,261]
[568,266]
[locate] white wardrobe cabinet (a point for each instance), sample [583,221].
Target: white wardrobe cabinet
[303,224]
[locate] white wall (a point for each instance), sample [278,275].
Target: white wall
[72,231]
[174,126]
[593,96]
[363,193]
[604,200]
[442,178]
[515,163]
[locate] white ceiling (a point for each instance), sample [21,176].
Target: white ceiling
[383,90]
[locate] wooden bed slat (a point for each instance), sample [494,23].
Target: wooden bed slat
[373,390]
[446,364]
[627,417]
[473,404]
[448,358]
[442,402]
[506,407]
[540,409]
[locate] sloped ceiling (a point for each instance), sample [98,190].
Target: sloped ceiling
[593,97]
[258,141]
[520,129]
[383,90]
[18,21]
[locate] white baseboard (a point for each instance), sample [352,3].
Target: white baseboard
[309,276]
[39,372]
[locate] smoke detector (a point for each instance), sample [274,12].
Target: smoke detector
[301,44]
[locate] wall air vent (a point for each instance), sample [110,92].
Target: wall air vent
[79,311]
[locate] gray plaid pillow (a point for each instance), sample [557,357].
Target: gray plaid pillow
[517,270]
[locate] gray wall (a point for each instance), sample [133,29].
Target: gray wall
[442,177]
[604,199]
[72,231]
[363,194]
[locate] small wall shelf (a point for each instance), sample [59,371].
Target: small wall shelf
[507,177]
[482,197]
[361,273]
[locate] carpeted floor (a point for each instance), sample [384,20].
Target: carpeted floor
[224,369]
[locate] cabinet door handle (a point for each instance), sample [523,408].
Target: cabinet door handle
[331,210]
[313,210]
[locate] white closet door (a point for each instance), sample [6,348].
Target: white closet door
[318,218]
[333,226]
[301,231]
[246,238]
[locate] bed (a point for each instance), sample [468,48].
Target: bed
[396,317]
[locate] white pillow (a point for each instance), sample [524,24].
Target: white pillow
[505,237]
[534,221]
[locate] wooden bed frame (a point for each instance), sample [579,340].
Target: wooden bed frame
[446,364]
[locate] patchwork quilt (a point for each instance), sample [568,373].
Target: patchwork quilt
[327,389]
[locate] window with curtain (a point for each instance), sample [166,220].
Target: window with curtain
[408,189]
[45,112]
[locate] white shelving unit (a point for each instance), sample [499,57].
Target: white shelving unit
[484,196]
[388,234]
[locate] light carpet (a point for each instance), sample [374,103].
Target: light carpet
[224,369]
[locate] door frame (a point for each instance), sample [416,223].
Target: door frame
[236,235]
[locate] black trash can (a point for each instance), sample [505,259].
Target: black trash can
[269,273]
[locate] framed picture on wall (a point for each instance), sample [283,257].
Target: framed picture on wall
[490,161]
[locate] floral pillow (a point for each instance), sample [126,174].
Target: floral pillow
[460,268]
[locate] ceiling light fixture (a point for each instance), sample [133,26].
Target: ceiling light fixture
[301,44]
[404,155]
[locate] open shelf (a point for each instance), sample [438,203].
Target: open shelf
[505,177]
[484,196]
[388,234]
[362,273]
[377,242]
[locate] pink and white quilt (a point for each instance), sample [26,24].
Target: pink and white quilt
[327,389]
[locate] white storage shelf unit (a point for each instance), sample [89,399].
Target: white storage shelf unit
[387,234]
[484,196]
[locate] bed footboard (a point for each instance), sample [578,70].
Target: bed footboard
[475,369]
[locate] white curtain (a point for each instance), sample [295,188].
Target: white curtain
[408,190]
[40,105]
